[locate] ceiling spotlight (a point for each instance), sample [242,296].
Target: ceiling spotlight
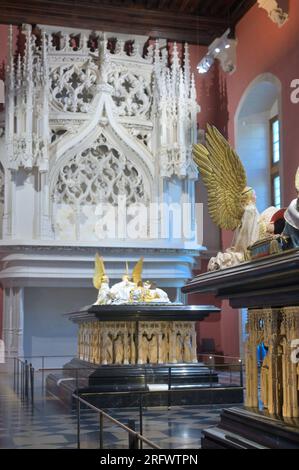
[223,49]
[205,64]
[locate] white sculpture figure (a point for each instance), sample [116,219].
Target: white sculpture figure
[120,292]
[292,218]
[153,294]
[232,204]
[187,348]
[101,282]
[118,350]
[248,231]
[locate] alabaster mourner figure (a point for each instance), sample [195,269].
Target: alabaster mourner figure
[232,204]
[292,218]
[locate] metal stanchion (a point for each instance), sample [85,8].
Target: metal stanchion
[17,375]
[133,439]
[43,374]
[101,431]
[78,424]
[31,370]
[14,374]
[169,388]
[241,374]
[141,418]
[22,380]
[26,380]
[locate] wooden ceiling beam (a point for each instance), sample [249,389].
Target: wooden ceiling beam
[172,25]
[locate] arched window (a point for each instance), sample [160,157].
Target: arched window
[258,128]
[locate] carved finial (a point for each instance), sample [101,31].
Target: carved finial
[187,67]
[175,58]
[104,61]
[10,66]
[19,71]
[45,68]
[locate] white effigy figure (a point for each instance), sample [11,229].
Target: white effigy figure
[232,204]
[121,293]
[292,218]
[101,282]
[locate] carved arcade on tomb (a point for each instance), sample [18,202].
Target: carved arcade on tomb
[126,343]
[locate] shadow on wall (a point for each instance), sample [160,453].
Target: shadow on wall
[213,99]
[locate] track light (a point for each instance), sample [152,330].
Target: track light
[205,64]
[222,49]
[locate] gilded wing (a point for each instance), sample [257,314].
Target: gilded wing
[137,271]
[297,180]
[224,177]
[99,271]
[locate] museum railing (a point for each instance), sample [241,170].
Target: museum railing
[136,440]
[23,380]
[219,372]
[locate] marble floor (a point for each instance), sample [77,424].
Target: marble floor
[48,425]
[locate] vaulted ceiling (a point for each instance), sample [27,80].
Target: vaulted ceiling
[195,21]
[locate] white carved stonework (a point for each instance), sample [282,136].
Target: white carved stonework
[89,117]
[2,182]
[73,87]
[131,92]
[99,173]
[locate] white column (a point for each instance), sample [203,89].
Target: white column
[13,321]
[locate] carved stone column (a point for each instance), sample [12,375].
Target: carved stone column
[194,344]
[104,345]
[290,330]
[160,348]
[251,359]
[13,321]
[126,345]
[272,321]
[172,343]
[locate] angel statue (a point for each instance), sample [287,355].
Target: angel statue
[121,292]
[292,218]
[232,204]
[101,282]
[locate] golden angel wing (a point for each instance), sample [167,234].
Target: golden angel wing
[297,180]
[137,271]
[99,271]
[224,177]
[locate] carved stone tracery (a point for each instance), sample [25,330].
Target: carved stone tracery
[72,87]
[132,94]
[99,174]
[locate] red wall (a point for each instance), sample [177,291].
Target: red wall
[263,47]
